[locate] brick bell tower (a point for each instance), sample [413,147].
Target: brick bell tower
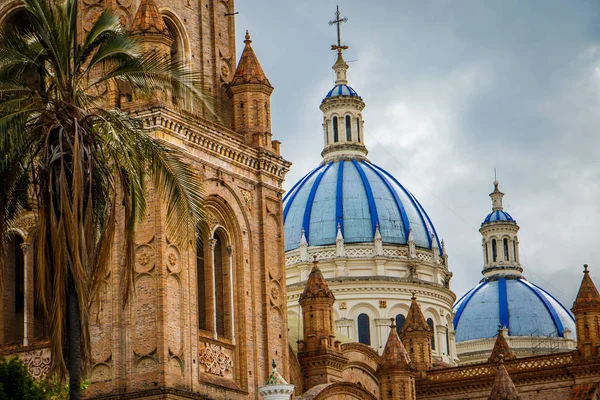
[416,336]
[394,373]
[586,309]
[250,91]
[319,353]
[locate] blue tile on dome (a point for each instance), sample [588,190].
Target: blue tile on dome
[527,314]
[357,217]
[322,218]
[480,315]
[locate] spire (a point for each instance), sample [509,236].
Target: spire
[378,240]
[588,296]
[339,242]
[316,287]
[148,19]
[303,247]
[249,69]
[415,321]
[497,196]
[501,348]
[504,388]
[394,354]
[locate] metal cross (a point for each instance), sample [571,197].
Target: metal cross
[338,21]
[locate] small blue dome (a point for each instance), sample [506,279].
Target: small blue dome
[498,216]
[358,196]
[341,90]
[522,307]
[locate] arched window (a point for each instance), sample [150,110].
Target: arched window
[494,251]
[201,283]
[430,323]
[348,129]
[400,319]
[358,129]
[213,274]
[487,255]
[505,245]
[326,133]
[177,57]
[364,329]
[335,130]
[13,313]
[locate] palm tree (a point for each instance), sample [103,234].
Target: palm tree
[74,160]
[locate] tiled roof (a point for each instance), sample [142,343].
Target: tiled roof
[316,287]
[501,346]
[415,321]
[249,69]
[148,19]
[588,295]
[504,388]
[394,354]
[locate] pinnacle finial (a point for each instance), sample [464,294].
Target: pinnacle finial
[273,364]
[247,41]
[392,323]
[585,269]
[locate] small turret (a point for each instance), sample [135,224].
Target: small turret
[276,387]
[150,26]
[319,352]
[499,240]
[251,91]
[586,309]
[501,348]
[504,388]
[416,336]
[394,373]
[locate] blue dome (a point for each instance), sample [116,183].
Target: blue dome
[522,307]
[358,195]
[498,216]
[341,90]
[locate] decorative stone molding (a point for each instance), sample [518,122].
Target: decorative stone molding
[247,196]
[37,362]
[215,360]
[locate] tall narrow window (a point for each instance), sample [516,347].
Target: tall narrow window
[505,245]
[494,251]
[430,323]
[219,286]
[358,129]
[364,330]
[447,340]
[201,283]
[487,255]
[335,130]
[400,319]
[515,249]
[348,129]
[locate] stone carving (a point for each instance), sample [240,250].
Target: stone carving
[37,362]
[144,258]
[173,259]
[26,224]
[247,198]
[214,359]
[382,303]
[343,305]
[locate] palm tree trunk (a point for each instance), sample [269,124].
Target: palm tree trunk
[74,332]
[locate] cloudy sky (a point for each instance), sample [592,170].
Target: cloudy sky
[453,90]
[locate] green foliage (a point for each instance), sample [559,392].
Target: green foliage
[16,383]
[52,389]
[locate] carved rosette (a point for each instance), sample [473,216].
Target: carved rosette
[215,359]
[37,362]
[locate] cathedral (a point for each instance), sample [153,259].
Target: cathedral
[338,289]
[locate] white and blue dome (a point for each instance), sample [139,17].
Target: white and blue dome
[498,215]
[358,196]
[341,90]
[522,307]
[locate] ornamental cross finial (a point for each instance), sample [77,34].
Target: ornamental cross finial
[338,21]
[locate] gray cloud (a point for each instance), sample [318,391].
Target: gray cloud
[454,89]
